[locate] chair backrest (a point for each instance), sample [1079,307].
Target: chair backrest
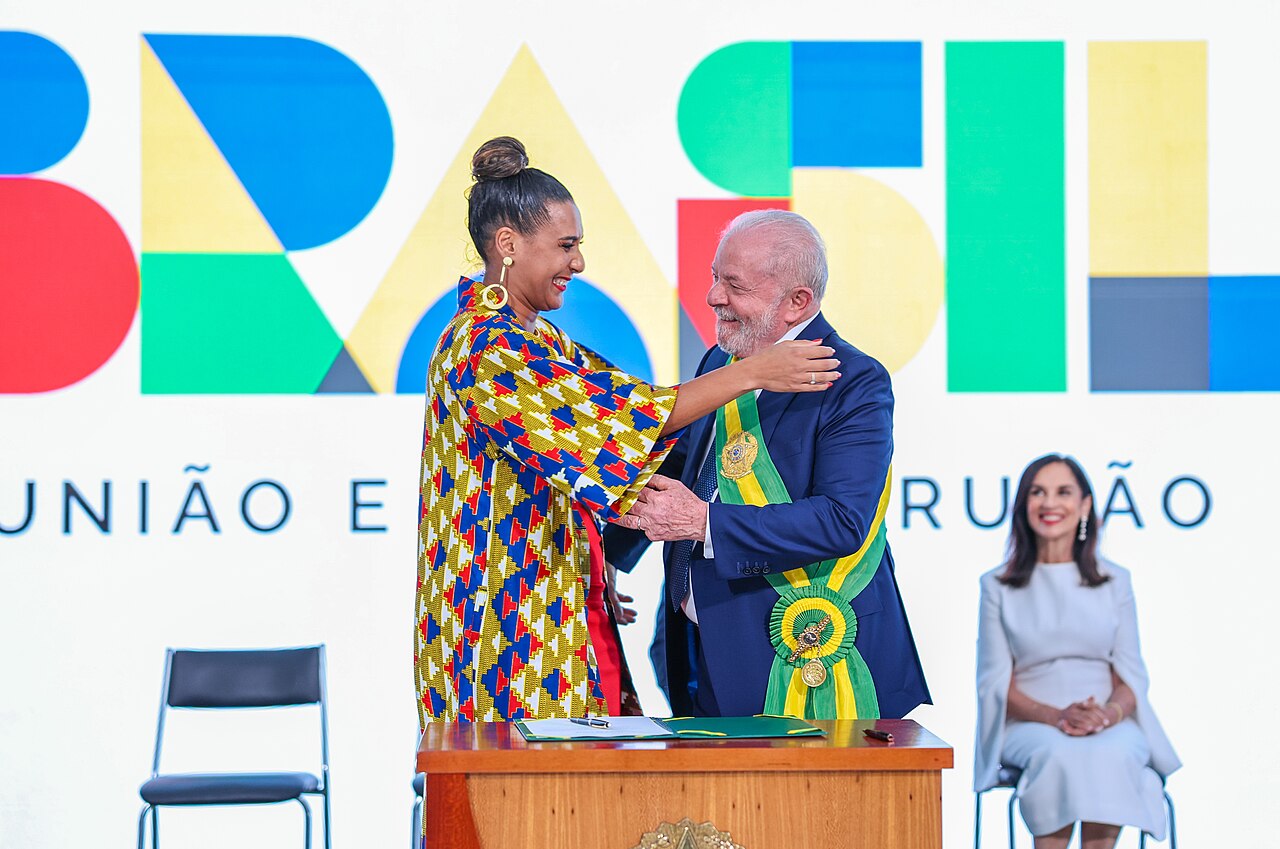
[244,679]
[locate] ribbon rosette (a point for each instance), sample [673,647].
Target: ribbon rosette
[801,607]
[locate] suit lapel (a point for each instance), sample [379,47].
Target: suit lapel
[772,405]
[699,433]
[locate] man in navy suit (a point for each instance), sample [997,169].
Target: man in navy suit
[831,450]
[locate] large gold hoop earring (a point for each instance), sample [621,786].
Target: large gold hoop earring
[494,295]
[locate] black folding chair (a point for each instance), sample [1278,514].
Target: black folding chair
[1173,821]
[1008,777]
[239,679]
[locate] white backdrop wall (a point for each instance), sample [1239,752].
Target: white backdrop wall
[85,614]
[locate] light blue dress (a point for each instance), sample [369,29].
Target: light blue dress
[1059,640]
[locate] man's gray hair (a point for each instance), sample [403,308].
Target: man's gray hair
[799,256]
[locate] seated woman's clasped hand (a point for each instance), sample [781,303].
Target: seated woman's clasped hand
[1079,719]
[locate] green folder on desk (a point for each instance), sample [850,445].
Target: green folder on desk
[679,728]
[741,727]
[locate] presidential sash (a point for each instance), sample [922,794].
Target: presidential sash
[817,670]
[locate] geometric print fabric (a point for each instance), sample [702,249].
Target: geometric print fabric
[519,426]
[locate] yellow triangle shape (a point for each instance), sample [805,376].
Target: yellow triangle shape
[192,202]
[439,249]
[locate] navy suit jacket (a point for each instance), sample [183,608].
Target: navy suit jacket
[833,451]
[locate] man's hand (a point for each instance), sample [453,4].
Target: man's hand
[618,601]
[668,510]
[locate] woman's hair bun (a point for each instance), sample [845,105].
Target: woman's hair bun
[498,159]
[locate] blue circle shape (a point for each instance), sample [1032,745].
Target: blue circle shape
[589,316]
[303,127]
[44,101]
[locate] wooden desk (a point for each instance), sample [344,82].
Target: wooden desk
[487,788]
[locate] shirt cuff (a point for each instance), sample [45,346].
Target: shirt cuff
[708,551]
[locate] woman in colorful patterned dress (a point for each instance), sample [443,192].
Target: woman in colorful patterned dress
[531,441]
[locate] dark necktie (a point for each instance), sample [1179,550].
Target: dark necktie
[682,550]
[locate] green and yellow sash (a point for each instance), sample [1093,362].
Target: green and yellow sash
[817,671]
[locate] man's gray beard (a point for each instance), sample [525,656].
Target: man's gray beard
[749,336]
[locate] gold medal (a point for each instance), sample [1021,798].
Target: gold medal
[813,673]
[738,455]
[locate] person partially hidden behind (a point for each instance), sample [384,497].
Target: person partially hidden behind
[782,597]
[1062,689]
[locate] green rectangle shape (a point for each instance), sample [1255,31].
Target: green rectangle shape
[218,324]
[1006,236]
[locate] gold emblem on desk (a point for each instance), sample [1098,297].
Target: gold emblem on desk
[686,835]
[738,455]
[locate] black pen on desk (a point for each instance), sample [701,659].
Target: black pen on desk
[877,734]
[590,721]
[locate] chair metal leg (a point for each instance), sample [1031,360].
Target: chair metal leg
[142,826]
[328,841]
[155,827]
[1013,798]
[977,821]
[1173,827]
[415,827]
[306,811]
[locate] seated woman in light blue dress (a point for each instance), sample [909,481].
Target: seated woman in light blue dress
[1062,689]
